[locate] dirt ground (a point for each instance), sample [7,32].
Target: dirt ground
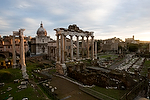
[69,91]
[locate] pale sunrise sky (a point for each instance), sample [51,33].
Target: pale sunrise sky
[106,18]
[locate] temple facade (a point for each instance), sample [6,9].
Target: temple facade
[72,30]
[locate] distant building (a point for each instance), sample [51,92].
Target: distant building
[110,45]
[131,40]
[6,44]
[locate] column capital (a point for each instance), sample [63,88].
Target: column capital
[77,35]
[65,35]
[71,35]
[92,36]
[21,30]
[87,36]
[57,34]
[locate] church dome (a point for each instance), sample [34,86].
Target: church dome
[41,31]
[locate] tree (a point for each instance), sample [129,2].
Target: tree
[132,47]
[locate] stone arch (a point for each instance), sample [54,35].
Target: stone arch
[3,55]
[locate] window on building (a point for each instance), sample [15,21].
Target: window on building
[43,49]
[51,51]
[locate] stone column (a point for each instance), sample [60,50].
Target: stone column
[87,47]
[95,49]
[65,48]
[82,46]
[22,55]
[62,48]
[57,48]
[59,51]
[71,47]
[92,48]
[13,51]
[53,53]
[77,47]
[149,47]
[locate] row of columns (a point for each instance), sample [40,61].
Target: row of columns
[22,53]
[61,47]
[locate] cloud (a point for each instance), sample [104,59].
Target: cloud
[107,18]
[4,23]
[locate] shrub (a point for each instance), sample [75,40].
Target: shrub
[5,76]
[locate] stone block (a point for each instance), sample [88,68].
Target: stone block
[10,98]
[9,89]
[16,81]
[23,86]
[2,84]
[24,82]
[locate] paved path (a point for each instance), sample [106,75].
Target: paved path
[117,64]
[69,90]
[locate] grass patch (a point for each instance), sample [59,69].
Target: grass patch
[29,92]
[8,75]
[145,68]
[116,94]
[52,71]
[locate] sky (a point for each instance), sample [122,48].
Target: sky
[106,18]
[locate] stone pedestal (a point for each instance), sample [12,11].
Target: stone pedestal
[64,69]
[61,69]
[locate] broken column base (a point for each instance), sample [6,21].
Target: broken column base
[61,69]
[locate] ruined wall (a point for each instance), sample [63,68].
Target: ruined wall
[100,78]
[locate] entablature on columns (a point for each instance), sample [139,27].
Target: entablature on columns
[18,33]
[73,30]
[74,33]
[15,33]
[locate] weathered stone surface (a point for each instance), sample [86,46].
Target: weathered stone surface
[24,82]
[59,69]
[10,98]
[2,84]
[25,99]
[16,81]
[9,89]
[23,86]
